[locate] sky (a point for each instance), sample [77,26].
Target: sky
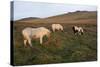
[23,9]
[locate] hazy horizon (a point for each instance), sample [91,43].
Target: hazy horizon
[24,9]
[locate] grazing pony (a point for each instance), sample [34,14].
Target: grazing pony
[34,33]
[78,30]
[57,27]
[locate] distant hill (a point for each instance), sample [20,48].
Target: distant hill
[71,17]
[27,19]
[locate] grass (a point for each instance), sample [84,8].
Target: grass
[61,47]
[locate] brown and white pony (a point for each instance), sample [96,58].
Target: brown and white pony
[78,30]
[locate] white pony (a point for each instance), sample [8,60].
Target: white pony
[78,30]
[34,33]
[57,27]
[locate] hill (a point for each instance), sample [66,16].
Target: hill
[28,19]
[74,17]
[71,17]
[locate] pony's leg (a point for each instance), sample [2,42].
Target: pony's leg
[53,30]
[25,43]
[62,29]
[41,40]
[79,33]
[75,33]
[29,41]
